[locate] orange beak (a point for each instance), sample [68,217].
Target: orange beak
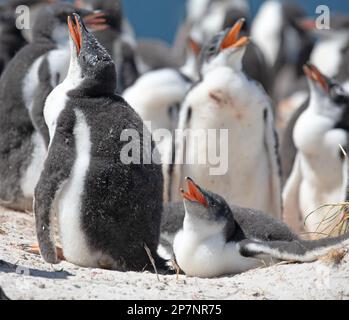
[194,46]
[194,193]
[232,38]
[314,74]
[75,33]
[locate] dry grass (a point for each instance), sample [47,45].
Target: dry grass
[334,222]
[334,257]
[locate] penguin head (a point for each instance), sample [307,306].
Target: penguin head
[328,96]
[225,49]
[52,19]
[209,211]
[90,62]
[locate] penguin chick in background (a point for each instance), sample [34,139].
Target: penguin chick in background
[118,39]
[156,97]
[247,170]
[319,175]
[24,86]
[11,39]
[219,239]
[221,15]
[107,209]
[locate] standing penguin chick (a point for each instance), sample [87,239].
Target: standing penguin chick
[24,86]
[225,98]
[218,239]
[319,174]
[107,210]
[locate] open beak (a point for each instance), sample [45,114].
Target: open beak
[232,38]
[194,193]
[315,75]
[75,32]
[96,21]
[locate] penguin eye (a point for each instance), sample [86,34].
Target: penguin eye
[339,96]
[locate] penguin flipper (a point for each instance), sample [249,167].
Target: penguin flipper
[295,250]
[272,146]
[41,93]
[57,168]
[292,213]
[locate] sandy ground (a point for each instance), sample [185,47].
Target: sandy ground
[27,276]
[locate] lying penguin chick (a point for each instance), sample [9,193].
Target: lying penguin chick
[156,97]
[24,86]
[319,174]
[218,239]
[107,209]
[247,172]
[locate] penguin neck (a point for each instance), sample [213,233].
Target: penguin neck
[83,85]
[231,60]
[200,228]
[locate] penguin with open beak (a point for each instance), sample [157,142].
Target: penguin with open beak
[24,86]
[225,98]
[108,210]
[219,239]
[319,171]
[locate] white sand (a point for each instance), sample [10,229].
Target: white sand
[26,276]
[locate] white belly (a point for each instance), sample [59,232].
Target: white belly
[73,239]
[211,257]
[247,180]
[33,171]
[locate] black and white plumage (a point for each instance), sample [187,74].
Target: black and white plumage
[219,239]
[157,96]
[107,210]
[26,82]
[118,39]
[225,98]
[312,148]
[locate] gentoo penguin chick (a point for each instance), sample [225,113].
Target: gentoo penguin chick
[24,86]
[218,239]
[246,171]
[156,96]
[319,174]
[107,209]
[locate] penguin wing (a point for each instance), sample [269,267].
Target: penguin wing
[288,150]
[41,93]
[272,146]
[57,168]
[292,213]
[295,250]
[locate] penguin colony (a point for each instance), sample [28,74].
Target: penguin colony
[75,83]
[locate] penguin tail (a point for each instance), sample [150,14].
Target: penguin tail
[295,250]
